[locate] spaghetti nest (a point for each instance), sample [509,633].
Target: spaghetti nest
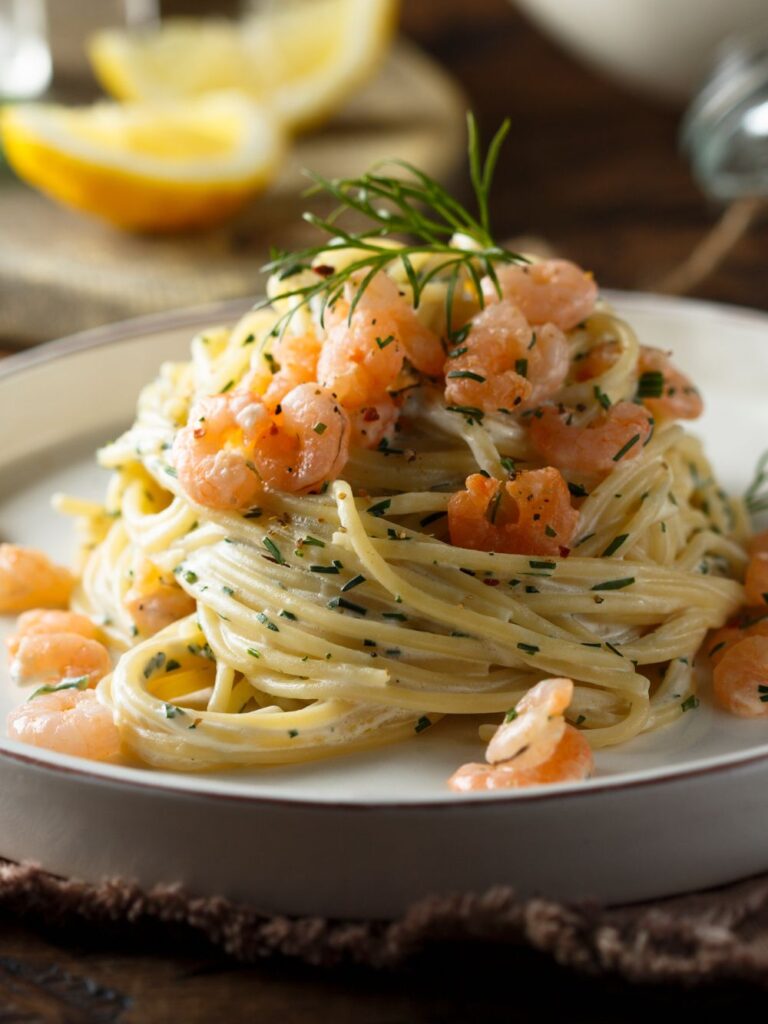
[456,553]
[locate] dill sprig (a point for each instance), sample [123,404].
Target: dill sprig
[411,205]
[756,495]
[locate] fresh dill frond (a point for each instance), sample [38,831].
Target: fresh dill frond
[411,205]
[756,495]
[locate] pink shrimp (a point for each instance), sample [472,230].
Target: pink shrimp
[382,313]
[530,515]
[68,721]
[42,621]
[740,678]
[154,600]
[50,657]
[374,423]
[756,579]
[535,747]
[232,449]
[552,291]
[679,399]
[613,437]
[290,361]
[28,579]
[504,364]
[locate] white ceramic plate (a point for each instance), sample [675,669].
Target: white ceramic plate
[365,834]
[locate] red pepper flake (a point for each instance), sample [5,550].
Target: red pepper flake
[370,414]
[491,582]
[323,270]
[564,551]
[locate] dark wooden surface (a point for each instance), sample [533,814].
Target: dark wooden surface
[596,172]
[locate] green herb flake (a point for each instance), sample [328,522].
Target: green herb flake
[379,508]
[614,546]
[625,448]
[650,385]
[171,665]
[354,582]
[171,711]
[383,342]
[578,492]
[285,614]
[332,569]
[422,724]
[274,550]
[601,397]
[227,386]
[253,652]
[690,703]
[626,581]
[155,663]
[466,375]
[511,715]
[528,648]
[266,621]
[320,428]
[253,513]
[432,518]
[342,602]
[190,577]
[542,565]
[79,683]
[521,367]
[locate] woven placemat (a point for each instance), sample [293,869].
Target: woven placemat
[719,935]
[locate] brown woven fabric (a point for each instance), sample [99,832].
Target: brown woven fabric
[721,935]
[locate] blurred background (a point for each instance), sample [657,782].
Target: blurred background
[593,168]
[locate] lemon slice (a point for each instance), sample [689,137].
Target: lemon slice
[148,167]
[301,57]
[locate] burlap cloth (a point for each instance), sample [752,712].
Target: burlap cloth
[720,935]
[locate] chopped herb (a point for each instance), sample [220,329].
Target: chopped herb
[581,719]
[342,602]
[542,565]
[532,342]
[228,590]
[466,375]
[171,711]
[613,650]
[690,703]
[253,652]
[529,648]
[650,385]
[227,386]
[578,491]
[265,621]
[601,396]
[549,531]
[493,505]
[171,471]
[508,465]
[253,513]
[190,577]
[354,582]
[80,683]
[285,614]
[274,550]
[511,715]
[531,589]
[379,508]
[716,648]
[614,546]
[422,724]
[249,340]
[171,665]
[584,539]
[457,352]
[369,643]
[383,342]
[614,584]
[293,733]
[195,724]
[432,518]
[313,542]
[625,448]
[763,692]
[394,615]
[320,428]
[470,411]
[201,650]
[155,662]
[324,568]
[521,367]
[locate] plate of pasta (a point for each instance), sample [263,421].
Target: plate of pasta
[430,565]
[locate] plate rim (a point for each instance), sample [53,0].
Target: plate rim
[200,315]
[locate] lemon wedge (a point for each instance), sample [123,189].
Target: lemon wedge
[147,167]
[299,57]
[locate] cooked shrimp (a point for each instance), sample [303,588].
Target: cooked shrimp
[50,657]
[740,679]
[232,449]
[382,313]
[530,515]
[41,621]
[615,436]
[679,399]
[374,423]
[756,580]
[68,721]
[552,291]
[154,600]
[290,361]
[505,364]
[535,747]
[28,579]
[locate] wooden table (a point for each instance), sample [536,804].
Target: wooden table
[596,172]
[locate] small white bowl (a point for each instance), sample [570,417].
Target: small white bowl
[662,47]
